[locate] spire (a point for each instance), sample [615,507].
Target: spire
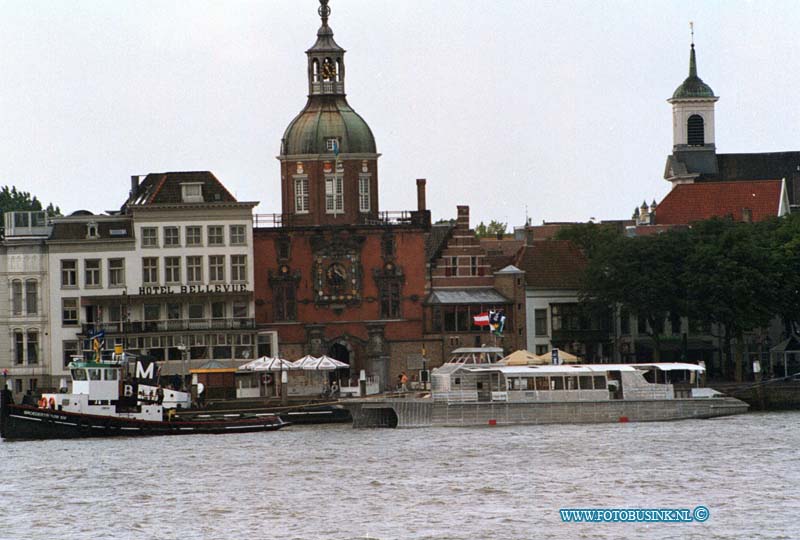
[324,11]
[692,59]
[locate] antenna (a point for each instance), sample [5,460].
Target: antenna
[691,30]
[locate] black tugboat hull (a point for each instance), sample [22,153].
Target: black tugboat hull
[25,422]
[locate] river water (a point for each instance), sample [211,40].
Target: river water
[333,482]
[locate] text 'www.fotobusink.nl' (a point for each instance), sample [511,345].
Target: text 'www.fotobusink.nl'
[634,515]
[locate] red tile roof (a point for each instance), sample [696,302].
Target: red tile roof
[696,202]
[552,264]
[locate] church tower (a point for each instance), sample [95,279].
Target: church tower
[329,163]
[693,149]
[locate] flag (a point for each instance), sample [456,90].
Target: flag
[481,319]
[497,321]
[336,147]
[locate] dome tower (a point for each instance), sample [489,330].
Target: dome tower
[328,157]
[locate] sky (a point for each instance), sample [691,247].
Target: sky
[552,110]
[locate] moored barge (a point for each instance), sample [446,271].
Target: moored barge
[494,394]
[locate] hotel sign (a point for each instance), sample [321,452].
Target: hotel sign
[193,289]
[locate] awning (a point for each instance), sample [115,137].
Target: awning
[466,296]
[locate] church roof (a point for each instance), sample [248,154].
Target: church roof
[686,203]
[693,87]
[323,118]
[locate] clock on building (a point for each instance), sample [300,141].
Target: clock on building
[336,273]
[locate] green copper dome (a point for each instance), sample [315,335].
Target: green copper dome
[324,118]
[693,86]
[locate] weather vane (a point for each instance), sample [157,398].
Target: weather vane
[324,10]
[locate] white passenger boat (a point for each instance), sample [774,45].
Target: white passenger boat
[465,394]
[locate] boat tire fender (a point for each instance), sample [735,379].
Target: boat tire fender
[52,402]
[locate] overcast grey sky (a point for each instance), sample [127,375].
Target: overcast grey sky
[558,106]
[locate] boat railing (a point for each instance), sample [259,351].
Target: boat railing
[457,396]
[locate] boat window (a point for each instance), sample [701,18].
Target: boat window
[542,383]
[599,382]
[586,382]
[111,374]
[94,374]
[556,383]
[531,383]
[78,374]
[457,380]
[571,382]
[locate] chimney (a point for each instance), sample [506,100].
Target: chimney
[462,221]
[134,185]
[421,194]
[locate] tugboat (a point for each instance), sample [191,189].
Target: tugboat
[103,404]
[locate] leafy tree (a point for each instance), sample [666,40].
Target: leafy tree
[641,275]
[592,238]
[493,229]
[732,279]
[12,200]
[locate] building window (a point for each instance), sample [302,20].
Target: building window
[69,349]
[172,269]
[284,248]
[217,310]
[172,237]
[541,349]
[150,270]
[240,310]
[363,194]
[116,272]
[92,231]
[194,269]
[33,347]
[152,312]
[69,273]
[216,268]
[149,237]
[334,195]
[387,246]
[473,266]
[238,235]
[69,311]
[301,195]
[31,297]
[92,273]
[390,299]
[695,132]
[216,235]
[196,311]
[238,268]
[192,193]
[19,347]
[173,312]
[332,145]
[540,316]
[285,301]
[194,235]
[16,297]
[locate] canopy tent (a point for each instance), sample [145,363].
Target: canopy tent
[522,358]
[323,363]
[564,356]
[265,363]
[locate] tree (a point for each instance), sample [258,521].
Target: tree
[12,200]
[732,278]
[592,238]
[641,275]
[493,229]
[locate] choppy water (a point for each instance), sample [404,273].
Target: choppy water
[333,482]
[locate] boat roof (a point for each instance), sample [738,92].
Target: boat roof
[78,365]
[469,350]
[577,369]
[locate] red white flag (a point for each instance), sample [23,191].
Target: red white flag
[481,319]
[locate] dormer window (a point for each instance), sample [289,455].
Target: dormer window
[92,231]
[192,192]
[332,145]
